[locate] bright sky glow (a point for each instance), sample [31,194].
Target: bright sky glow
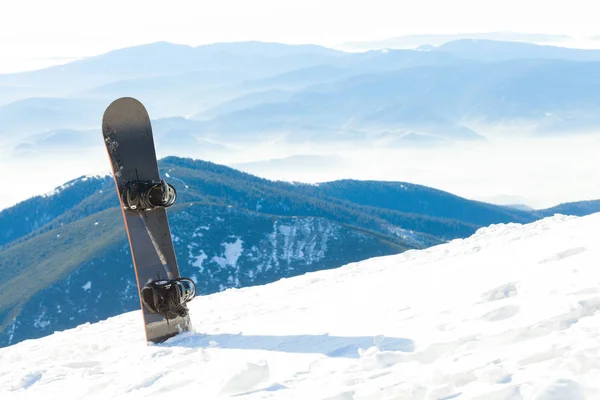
[34,33]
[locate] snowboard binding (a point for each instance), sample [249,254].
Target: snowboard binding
[168,297]
[147,195]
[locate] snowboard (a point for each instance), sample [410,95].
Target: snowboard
[130,145]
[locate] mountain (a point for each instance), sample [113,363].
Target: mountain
[232,93]
[11,92]
[36,115]
[303,77]
[243,102]
[420,199]
[175,94]
[508,313]
[65,260]
[521,207]
[579,208]
[553,96]
[433,103]
[31,215]
[415,41]
[200,181]
[162,59]
[493,50]
[55,140]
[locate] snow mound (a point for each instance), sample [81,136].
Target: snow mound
[510,313]
[250,376]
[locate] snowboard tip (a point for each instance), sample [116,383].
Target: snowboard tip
[124,108]
[124,102]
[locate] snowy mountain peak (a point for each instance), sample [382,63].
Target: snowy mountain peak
[73,182]
[509,313]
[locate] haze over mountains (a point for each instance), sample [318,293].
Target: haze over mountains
[418,40]
[249,102]
[253,91]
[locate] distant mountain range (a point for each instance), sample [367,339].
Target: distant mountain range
[64,257]
[414,41]
[237,92]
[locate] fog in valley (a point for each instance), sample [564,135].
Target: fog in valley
[539,173]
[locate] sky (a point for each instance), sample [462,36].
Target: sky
[36,33]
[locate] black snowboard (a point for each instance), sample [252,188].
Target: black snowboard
[130,145]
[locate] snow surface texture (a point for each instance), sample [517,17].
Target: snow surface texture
[509,313]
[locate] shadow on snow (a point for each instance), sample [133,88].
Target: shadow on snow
[331,346]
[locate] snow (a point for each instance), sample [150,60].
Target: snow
[231,253]
[298,239]
[509,313]
[41,321]
[11,330]
[198,261]
[197,232]
[407,235]
[176,179]
[60,189]
[67,185]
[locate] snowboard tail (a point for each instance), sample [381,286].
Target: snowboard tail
[144,197]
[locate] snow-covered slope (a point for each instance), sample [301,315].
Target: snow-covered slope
[509,313]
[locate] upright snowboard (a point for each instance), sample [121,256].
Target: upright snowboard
[130,145]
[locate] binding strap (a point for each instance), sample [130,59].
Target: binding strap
[146,195]
[168,297]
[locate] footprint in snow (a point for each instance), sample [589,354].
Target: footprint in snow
[558,390]
[28,380]
[493,373]
[347,395]
[145,382]
[82,364]
[591,290]
[563,254]
[501,292]
[501,313]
